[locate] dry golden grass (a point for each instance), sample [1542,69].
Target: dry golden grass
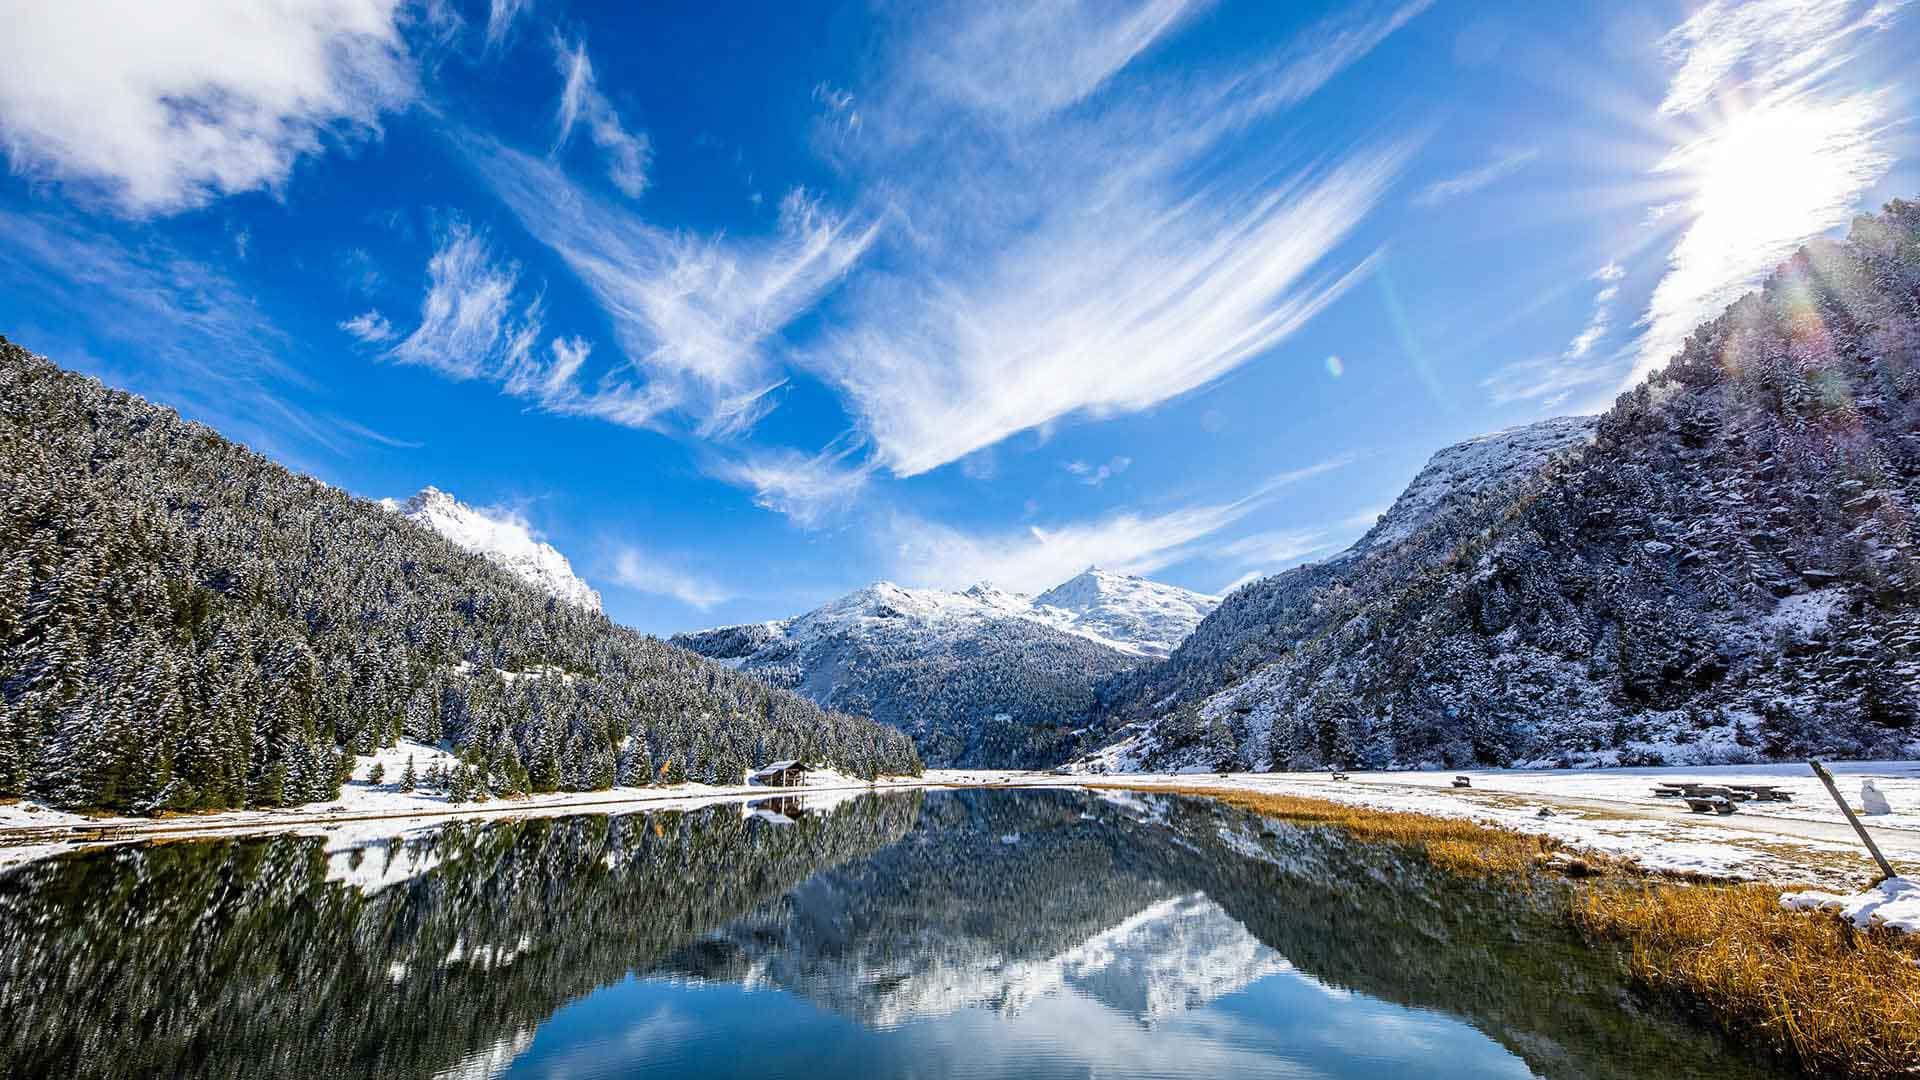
[1843,1002]
[1460,846]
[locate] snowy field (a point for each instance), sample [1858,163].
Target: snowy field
[1615,811]
[1610,810]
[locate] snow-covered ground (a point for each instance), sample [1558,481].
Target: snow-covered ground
[1609,810]
[1615,811]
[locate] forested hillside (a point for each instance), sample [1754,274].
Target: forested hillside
[186,625]
[1726,573]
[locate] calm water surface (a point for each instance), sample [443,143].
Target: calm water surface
[978,934]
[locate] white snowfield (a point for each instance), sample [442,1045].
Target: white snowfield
[1806,841]
[505,539]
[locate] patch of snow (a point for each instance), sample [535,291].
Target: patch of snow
[1805,614]
[1894,903]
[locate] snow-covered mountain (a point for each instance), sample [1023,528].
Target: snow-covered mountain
[503,538]
[1147,709]
[1725,571]
[1129,613]
[978,677]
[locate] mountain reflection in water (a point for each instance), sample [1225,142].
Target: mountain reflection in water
[953,933]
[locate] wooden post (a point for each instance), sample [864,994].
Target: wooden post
[1826,778]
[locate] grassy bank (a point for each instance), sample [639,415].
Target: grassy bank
[1841,1001]
[1836,1000]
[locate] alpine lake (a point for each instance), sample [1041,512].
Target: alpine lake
[917,934]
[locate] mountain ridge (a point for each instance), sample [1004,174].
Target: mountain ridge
[982,676]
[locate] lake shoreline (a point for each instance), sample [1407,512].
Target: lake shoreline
[1605,811]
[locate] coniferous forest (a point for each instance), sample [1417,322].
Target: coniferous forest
[185,625]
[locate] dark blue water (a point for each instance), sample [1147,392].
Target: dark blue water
[973,934]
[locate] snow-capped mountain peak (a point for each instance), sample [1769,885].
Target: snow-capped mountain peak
[1131,613]
[504,538]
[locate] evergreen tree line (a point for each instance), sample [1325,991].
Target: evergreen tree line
[1728,572]
[185,625]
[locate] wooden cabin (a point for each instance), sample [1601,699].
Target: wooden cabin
[780,774]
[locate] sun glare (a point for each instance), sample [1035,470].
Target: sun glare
[1758,181]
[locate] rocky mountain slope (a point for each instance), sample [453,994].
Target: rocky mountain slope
[186,625]
[506,541]
[981,677]
[1260,621]
[1727,572]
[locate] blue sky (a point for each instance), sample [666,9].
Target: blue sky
[743,306]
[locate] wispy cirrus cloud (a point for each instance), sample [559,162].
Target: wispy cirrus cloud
[476,323]
[922,552]
[203,343]
[1052,277]
[636,570]
[1778,143]
[628,154]
[471,325]
[807,488]
[370,327]
[1445,191]
[694,315]
[1552,380]
[1024,61]
[502,16]
[164,107]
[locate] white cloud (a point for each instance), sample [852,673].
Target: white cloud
[1552,380]
[1064,260]
[473,325]
[806,488]
[628,154]
[501,16]
[1022,60]
[634,569]
[1275,548]
[369,326]
[694,314]
[165,106]
[1095,475]
[1078,316]
[1782,152]
[1456,187]
[468,327]
[204,345]
[928,553]
[1597,325]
